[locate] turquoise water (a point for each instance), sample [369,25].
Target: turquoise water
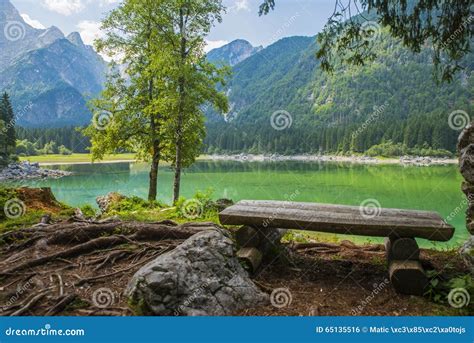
[434,188]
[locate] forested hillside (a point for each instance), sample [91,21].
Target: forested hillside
[392,101]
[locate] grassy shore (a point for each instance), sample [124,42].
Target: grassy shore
[87,158]
[77,158]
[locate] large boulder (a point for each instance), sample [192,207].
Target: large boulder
[202,276]
[467,253]
[466,163]
[466,166]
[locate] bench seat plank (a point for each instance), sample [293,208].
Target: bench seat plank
[338,219]
[390,212]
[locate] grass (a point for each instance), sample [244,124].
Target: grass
[76,158]
[84,158]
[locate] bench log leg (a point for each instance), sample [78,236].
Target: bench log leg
[408,277]
[247,237]
[405,270]
[401,249]
[252,257]
[259,244]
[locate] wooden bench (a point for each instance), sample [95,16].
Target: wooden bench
[400,227]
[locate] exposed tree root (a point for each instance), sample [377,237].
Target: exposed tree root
[59,262]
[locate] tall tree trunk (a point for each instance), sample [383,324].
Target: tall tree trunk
[179,125]
[179,143]
[155,161]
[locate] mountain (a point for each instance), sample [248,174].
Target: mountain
[282,102]
[232,53]
[48,76]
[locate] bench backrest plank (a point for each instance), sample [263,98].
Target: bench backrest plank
[338,219]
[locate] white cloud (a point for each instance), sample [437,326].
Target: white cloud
[241,5]
[65,7]
[107,2]
[214,44]
[90,31]
[32,22]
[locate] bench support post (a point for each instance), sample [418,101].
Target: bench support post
[259,244]
[405,270]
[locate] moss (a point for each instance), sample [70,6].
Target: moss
[78,303]
[88,211]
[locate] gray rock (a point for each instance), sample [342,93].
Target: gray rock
[200,277]
[26,170]
[104,202]
[466,137]
[467,253]
[466,163]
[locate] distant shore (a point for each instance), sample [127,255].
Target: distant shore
[55,160]
[405,160]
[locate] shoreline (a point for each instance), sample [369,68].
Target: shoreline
[44,164]
[406,160]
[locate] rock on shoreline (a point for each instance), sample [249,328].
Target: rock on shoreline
[26,170]
[405,160]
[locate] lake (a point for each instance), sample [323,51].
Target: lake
[424,188]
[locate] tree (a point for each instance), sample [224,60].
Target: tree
[154,110]
[194,78]
[446,26]
[7,132]
[127,116]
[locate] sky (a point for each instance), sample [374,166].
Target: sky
[290,18]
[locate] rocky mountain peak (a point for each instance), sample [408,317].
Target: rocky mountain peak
[8,12]
[75,38]
[50,35]
[233,53]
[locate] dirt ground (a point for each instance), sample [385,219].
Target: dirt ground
[351,282]
[77,268]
